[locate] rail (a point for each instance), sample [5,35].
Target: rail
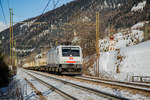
[136,86]
[42,97]
[65,95]
[91,90]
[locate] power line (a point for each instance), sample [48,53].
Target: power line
[55,4]
[21,17]
[46,6]
[3,12]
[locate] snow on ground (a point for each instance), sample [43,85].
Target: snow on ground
[121,39]
[49,94]
[29,93]
[28,24]
[137,59]
[124,55]
[75,92]
[139,25]
[98,87]
[138,7]
[132,61]
[19,89]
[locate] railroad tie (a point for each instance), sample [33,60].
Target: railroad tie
[36,91]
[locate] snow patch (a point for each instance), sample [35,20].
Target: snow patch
[140,6]
[137,59]
[119,5]
[82,96]
[122,55]
[28,24]
[139,25]
[121,39]
[86,19]
[131,61]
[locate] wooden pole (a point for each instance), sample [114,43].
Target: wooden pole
[15,53]
[10,40]
[97,42]
[146,32]
[12,36]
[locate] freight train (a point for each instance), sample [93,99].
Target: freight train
[63,59]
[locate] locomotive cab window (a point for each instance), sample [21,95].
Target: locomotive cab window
[70,51]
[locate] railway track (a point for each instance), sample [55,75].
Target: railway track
[65,95]
[131,85]
[35,90]
[90,90]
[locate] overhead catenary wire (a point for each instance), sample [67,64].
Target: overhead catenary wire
[3,12]
[46,6]
[21,17]
[55,4]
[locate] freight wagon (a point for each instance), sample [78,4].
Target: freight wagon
[63,59]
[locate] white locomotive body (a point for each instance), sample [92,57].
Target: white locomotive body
[66,59]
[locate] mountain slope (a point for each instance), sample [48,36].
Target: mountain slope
[80,13]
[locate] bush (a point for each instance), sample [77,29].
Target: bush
[4,73]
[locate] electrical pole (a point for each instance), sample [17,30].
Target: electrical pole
[11,36]
[97,42]
[15,53]
[146,32]
[10,39]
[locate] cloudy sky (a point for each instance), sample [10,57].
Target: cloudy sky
[24,9]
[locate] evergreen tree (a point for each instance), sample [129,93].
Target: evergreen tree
[4,72]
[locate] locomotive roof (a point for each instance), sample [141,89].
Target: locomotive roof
[64,46]
[69,46]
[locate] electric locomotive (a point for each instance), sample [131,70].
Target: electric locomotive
[65,59]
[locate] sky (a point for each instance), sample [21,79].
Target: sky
[24,9]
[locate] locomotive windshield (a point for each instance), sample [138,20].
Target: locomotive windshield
[70,51]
